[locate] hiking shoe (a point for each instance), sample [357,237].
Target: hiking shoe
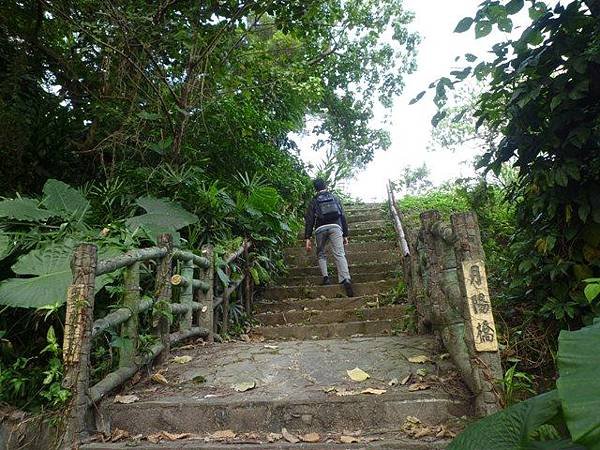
[348,288]
[325,281]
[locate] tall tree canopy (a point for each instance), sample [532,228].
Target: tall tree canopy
[543,101]
[92,89]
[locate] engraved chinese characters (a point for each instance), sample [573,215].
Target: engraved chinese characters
[480,308]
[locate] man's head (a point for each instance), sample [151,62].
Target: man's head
[319,184]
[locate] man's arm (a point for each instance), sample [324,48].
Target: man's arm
[309,220]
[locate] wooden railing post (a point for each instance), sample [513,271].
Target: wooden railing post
[480,330]
[162,305]
[129,329]
[187,294]
[205,314]
[77,343]
[225,323]
[432,278]
[247,291]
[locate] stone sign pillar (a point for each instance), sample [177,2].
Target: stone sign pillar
[480,330]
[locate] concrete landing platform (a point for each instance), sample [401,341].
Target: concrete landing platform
[297,386]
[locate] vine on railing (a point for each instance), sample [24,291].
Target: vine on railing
[191,316]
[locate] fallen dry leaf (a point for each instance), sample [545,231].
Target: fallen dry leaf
[118,434]
[310,437]
[348,439]
[136,378]
[182,359]
[421,359]
[223,434]
[373,391]
[418,387]
[175,436]
[329,389]
[272,437]
[271,347]
[405,379]
[414,428]
[289,436]
[155,438]
[244,386]
[126,398]
[159,378]
[357,374]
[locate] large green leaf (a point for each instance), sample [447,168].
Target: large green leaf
[162,216]
[511,428]
[48,275]
[264,199]
[65,201]
[23,209]
[5,246]
[579,383]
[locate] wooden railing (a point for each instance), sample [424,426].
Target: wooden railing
[192,316]
[447,283]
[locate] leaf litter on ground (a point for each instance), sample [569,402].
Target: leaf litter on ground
[182,359]
[291,438]
[357,374]
[126,398]
[420,359]
[244,386]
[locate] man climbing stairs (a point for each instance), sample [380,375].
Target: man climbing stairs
[319,370]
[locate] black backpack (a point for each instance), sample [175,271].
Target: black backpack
[327,208]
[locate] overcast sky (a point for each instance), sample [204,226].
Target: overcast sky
[411,124]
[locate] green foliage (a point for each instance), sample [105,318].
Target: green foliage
[64,201]
[542,421]
[515,385]
[162,216]
[579,384]
[539,111]
[48,275]
[25,383]
[25,209]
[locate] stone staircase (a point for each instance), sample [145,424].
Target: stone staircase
[288,386]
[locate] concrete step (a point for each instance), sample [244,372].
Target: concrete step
[243,442]
[352,247]
[392,255]
[366,215]
[356,278]
[374,227]
[322,304]
[360,289]
[314,271]
[364,207]
[378,234]
[309,317]
[293,389]
[384,327]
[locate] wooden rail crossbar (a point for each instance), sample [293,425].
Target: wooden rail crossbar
[400,235]
[192,316]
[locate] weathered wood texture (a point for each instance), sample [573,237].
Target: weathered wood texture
[131,301]
[77,343]
[432,280]
[162,295]
[400,235]
[205,314]
[200,261]
[186,296]
[486,366]
[127,259]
